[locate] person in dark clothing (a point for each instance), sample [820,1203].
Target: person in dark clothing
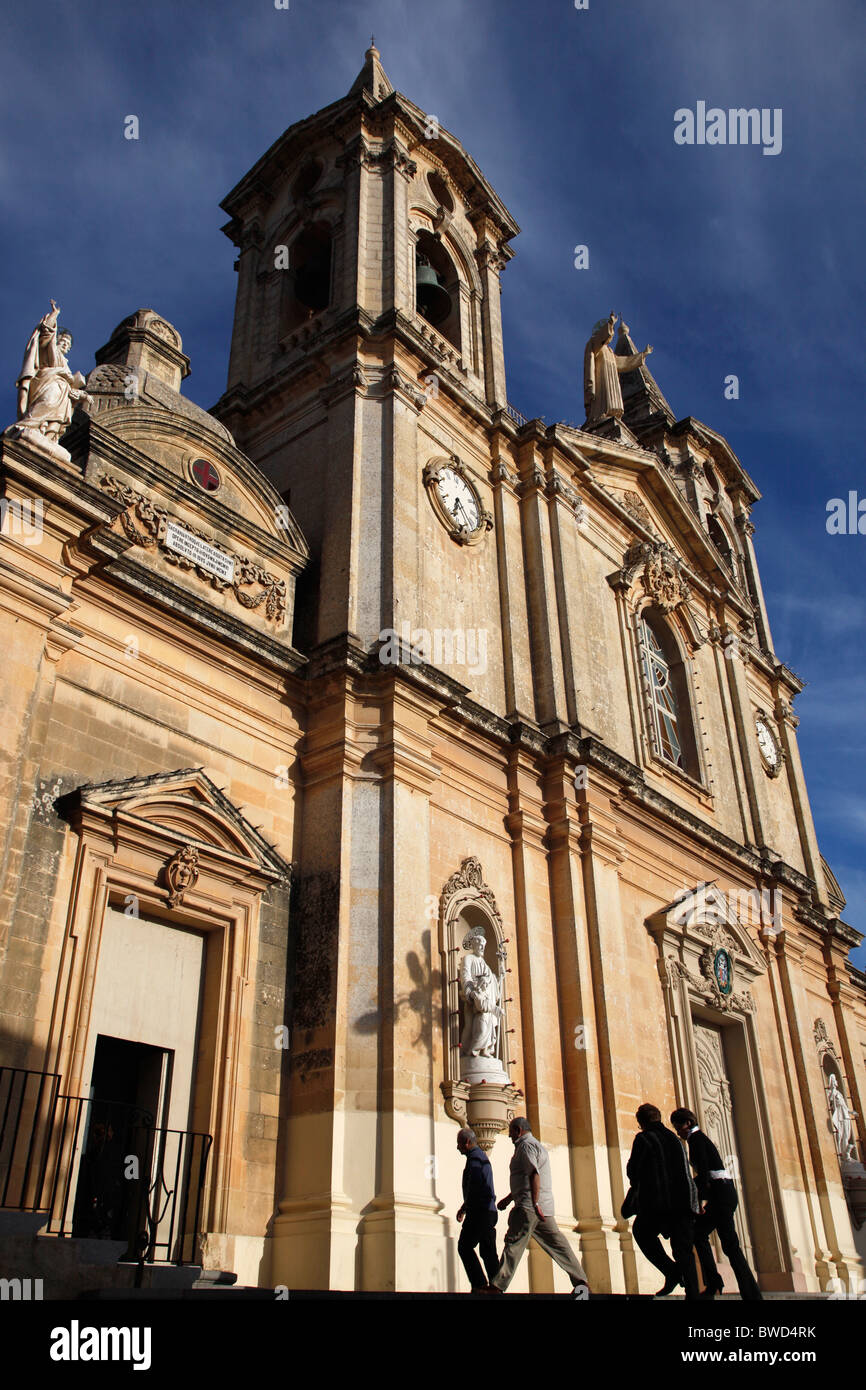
[477,1212]
[719,1200]
[665,1201]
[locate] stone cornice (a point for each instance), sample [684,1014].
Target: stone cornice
[358,327]
[586,750]
[153,587]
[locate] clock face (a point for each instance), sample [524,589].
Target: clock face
[458,499]
[767,743]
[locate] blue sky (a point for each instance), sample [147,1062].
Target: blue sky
[727,260]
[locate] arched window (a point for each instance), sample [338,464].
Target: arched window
[671,728]
[437,288]
[307,284]
[720,540]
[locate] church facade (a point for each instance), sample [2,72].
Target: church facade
[377,760]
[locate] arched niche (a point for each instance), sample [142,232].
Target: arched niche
[477,1090]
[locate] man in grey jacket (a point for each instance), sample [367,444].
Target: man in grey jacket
[531,1217]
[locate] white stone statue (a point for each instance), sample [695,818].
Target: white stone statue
[480,989]
[47,388]
[602,396]
[840,1118]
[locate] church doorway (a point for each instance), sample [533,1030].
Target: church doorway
[128,1103]
[134,1148]
[717,1102]
[132,1074]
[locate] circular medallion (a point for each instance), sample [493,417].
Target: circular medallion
[723,969]
[205,474]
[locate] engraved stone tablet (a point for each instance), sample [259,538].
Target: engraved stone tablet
[199,552]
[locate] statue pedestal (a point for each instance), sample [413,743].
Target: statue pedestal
[39,441]
[484,1101]
[489,1070]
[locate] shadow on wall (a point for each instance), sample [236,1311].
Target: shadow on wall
[427,982]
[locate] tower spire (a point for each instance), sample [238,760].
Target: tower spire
[372,76]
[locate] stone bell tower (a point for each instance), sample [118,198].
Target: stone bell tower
[368,314]
[367,381]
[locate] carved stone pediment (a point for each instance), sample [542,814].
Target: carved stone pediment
[705,947]
[467,884]
[186,814]
[661,571]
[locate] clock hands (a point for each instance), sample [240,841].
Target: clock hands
[462,508]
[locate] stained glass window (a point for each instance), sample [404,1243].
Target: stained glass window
[665,711]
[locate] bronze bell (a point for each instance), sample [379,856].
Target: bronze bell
[431,297]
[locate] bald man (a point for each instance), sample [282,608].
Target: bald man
[477,1213]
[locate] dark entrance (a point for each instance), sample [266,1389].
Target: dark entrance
[130,1089]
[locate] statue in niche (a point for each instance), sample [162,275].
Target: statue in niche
[47,387]
[480,989]
[602,396]
[840,1119]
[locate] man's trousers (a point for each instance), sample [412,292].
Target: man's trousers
[646,1230]
[719,1215]
[479,1228]
[523,1226]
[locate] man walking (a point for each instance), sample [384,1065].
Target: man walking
[719,1197]
[531,1217]
[666,1201]
[477,1213]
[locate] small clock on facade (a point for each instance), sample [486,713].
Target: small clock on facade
[456,501]
[771,753]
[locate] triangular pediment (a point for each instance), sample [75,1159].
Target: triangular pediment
[707,915]
[186,805]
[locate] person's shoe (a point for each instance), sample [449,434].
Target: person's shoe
[491,1288]
[480,1288]
[672,1282]
[712,1289]
[580,1292]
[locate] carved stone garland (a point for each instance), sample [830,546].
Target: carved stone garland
[154,521]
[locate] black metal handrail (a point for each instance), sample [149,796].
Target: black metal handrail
[27,1104]
[100,1168]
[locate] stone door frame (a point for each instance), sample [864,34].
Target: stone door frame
[131,839]
[689,933]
